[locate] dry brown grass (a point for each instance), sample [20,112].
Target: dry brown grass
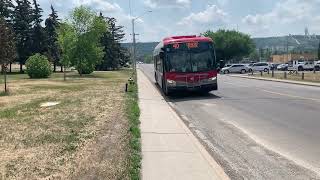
[84,137]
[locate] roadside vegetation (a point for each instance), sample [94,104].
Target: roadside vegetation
[133,114]
[86,135]
[308,76]
[79,124]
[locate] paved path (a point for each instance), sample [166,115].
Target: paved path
[256,129]
[169,149]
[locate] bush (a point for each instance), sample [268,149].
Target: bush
[38,66]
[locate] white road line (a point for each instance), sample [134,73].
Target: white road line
[293,96]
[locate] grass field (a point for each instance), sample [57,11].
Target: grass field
[86,136]
[308,76]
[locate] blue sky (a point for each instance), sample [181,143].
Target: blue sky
[259,18]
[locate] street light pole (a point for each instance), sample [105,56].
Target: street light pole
[134,50]
[133,46]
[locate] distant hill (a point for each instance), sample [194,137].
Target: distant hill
[298,43]
[143,49]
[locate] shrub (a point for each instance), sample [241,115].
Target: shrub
[38,66]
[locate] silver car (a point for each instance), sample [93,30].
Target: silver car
[235,68]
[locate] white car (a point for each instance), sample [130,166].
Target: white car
[260,67]
[235,68]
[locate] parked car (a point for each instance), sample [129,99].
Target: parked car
[282,67]
[260,67]
[235,68]
[317,66]
[273,66]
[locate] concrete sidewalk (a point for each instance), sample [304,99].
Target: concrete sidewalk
[278,80]
[169,150]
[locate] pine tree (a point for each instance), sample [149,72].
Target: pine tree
[52,24]
[22,25]
[38,34]
[114,54]
[6,10]
[7,47]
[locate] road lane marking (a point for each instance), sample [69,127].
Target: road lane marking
[293,96]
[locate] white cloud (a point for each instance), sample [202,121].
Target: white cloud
[212,15]
[167,3]
[284,13]
[101,5]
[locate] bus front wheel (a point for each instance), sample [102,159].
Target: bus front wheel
[164,88]
[155,78]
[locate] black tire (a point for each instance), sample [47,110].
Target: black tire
[300,68]
[164,88]
[226,72]
[156,78]
[317,68]
[243,71]
[266,70]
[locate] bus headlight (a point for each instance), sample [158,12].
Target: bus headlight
[213,79]
[171,82]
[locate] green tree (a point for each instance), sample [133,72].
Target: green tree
[148,59]
[231,44]
[7,48]
[89,29]
[6,10]
[38,34]
[22,24]
[254,56]
[115,55]
[67,40]
[52,25]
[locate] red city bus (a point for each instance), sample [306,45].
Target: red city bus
[186,63]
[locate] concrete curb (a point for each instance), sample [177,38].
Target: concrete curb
[278,80]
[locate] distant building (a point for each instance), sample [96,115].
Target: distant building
[285,58]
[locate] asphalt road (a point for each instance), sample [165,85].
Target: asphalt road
[256,129]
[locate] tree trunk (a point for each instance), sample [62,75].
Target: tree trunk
[64,73]
[21,70]
[62,68]
[5,78]
[10,70]
[54,66]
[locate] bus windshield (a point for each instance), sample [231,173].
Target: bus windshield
[186,60]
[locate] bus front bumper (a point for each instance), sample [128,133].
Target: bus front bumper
[194,87]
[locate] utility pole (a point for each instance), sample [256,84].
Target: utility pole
[133,47]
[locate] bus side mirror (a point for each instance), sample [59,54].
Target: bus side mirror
[161,55]
[221,64]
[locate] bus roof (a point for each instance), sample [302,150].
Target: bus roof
[184,39]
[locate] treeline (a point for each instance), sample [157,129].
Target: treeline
[23,18]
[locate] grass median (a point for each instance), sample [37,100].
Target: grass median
[308,76]
[93,133]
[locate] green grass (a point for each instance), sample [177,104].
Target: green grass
[135,141]
[2,93]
